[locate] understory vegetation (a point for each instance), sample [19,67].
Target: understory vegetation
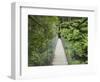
[74,34]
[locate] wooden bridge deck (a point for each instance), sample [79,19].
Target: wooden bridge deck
[60,56]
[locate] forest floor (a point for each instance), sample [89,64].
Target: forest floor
[60,56]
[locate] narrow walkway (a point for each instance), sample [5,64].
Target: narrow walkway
[60,57]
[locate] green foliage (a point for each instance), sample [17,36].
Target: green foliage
[74,33]
[41,39]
